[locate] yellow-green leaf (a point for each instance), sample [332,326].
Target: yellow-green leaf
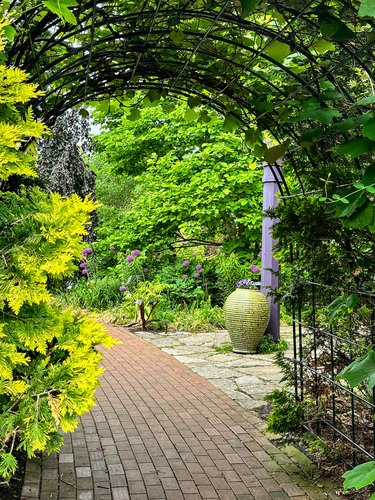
[278,51]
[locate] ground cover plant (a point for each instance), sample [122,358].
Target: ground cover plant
[267,346]
[49,366]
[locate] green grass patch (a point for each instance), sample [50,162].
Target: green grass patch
[223,348]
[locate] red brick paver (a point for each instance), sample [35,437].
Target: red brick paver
[160,431]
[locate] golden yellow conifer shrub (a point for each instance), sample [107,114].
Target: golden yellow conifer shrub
[49,365]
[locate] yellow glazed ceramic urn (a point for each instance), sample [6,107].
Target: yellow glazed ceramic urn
[247,314]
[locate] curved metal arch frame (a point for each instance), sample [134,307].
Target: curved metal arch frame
[164,74]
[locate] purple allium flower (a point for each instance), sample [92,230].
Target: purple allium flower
[186,263]
[185,276]
[145,270]
[198,267]
[85,272]
[130,258]
[201,270]
[196,275]
[111,248]
[255,269]
[122,289]
[83,265]
[87,251]
[136,252]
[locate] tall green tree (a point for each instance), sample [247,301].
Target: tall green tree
[195,182]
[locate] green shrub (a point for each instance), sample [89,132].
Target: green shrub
[103,287]
[49,372]
[198,317]
[225,348]
[192,318]
[185,284]
[98,294]
[229,270]
[286,414]
[267,345]
[140,306]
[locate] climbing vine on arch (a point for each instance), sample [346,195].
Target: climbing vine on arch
[301,70]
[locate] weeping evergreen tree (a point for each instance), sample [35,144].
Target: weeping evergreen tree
[61,158]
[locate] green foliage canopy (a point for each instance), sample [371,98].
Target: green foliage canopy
[195,183]
[302,71]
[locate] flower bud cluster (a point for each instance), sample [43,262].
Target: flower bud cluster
[129,259]
[196,275]
[84,264]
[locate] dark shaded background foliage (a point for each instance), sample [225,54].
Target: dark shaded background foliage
[62,157]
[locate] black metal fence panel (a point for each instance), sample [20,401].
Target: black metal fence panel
[335,413]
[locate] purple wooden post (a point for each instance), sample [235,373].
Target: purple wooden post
[270,266]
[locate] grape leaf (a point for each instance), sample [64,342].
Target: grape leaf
[247,6]
[321,46]
[194,100]
[271,155]
[367,8]
[355,200]
[134,115]
[176,37]
[355,147]
[60,8]
[324,115]
[9,33]
[364,217]
[365,100]
[332,27]
[310,136]
[360,476]
[231,123]
[277,51]
[369,175]
[360,370]
[351,123]
[191,115]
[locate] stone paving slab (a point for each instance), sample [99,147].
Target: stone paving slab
[161,431]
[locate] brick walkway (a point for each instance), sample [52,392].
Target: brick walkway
[160,431]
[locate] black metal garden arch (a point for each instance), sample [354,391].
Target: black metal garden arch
[300,69]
